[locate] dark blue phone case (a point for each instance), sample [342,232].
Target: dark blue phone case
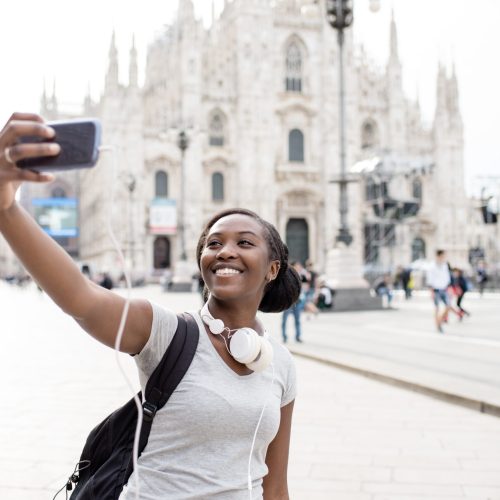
[79,140]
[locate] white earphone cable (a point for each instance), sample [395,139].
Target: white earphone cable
[123,319]
[249,474]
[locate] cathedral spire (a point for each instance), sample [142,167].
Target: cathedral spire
[44,104]
[394,57]
[53,99]
[132,78]
[185,10]
[440,90]
[452,90]
[112,75]
[87,102]
[417,96]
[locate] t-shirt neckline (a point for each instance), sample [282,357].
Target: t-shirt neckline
[213,350]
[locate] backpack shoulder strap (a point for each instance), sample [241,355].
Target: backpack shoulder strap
[169,372]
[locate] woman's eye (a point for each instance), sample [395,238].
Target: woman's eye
[212,243]
[246,243]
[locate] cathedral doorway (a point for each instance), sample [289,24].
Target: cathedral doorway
[161,252]
[417,249]
[297,239]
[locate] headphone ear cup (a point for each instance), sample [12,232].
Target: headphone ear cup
[265,358]
[245,345]
[216,326]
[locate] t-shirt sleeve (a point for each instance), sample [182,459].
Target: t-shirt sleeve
[290,382]
[163,329]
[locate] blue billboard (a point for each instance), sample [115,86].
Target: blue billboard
[57,216]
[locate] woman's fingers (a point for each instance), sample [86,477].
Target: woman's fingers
[26,116]
[18,128]
[30,176]
[23,117]
[17,175]
[22,151]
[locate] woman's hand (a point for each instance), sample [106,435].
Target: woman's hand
[11,151]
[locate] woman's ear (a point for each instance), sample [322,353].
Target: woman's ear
[273,270]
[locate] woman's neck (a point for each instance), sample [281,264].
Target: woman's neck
[235,315]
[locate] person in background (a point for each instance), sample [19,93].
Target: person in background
[311,277]
[481,276]
[408,282]
[324,300]
[383,288]
[106,281]
[460,288]
[296,308]
[438,280]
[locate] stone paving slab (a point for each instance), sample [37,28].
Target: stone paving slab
[353,438]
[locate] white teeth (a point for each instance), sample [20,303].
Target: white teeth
[226,271]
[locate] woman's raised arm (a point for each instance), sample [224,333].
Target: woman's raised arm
[96,309]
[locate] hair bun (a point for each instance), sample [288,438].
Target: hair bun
[283,292]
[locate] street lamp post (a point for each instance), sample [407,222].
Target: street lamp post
[183,143]
[339,15]
[183,269]
[345,263]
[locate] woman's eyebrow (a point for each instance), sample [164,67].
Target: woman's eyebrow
[239,232]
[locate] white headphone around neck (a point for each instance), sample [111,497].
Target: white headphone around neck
[246,346]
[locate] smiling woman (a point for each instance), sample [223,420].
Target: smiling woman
[239,375]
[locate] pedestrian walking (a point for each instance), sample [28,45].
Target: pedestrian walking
[408,282]
[295,309]
[309,284]
[438,280]
[481,277]
[460,288]
[225,432]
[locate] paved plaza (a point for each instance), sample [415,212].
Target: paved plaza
[353,437]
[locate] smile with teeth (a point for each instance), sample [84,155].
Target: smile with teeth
[226,271]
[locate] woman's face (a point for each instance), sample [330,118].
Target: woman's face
[235,261]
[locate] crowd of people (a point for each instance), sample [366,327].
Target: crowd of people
[448,286]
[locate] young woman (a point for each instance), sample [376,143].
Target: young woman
[200,443]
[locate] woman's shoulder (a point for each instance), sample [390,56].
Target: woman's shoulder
[163,328]
[281,354]
[163,317]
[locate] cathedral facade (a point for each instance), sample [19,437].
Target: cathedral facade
[256,95]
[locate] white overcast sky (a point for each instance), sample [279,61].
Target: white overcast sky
[68,41]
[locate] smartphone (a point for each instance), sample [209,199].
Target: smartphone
[79,140]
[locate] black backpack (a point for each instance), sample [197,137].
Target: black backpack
[106,461]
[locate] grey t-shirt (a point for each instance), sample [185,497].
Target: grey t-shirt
[200,440]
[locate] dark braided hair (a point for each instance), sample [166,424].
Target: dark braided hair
[284,290]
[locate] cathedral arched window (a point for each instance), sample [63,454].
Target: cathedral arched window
[58,192]
[293,70]
[161,184]
[416,189]
[369,135]
[296,146]
[216,130]
[417,249]
[217,187]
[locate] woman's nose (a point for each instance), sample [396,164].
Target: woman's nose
[227,251]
